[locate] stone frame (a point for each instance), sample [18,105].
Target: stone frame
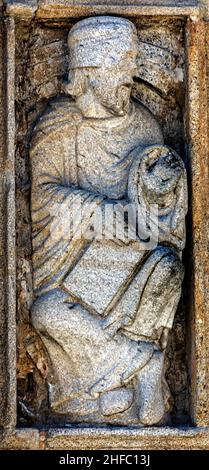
[196,126]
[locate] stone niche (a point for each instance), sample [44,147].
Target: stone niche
[172,83]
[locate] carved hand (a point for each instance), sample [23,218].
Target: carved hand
[160,172]
[118,231]
[157,176]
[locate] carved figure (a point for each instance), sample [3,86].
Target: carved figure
[104,305]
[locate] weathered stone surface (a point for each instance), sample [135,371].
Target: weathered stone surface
[121,401]
[204,4]
[22,439]
[106,439]
[197,135]
[95,153]
[118,2]
[36,45]
[21,7]
[7,235]
[143,439]
[169,114]
[177,375]
[31,47]
[2,233]
[64,8]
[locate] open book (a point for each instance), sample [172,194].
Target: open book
[102,274]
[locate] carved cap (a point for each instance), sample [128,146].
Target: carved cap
[100,39]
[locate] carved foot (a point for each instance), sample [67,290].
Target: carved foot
[150,391]
[115,378]
[143,356]
[116,401]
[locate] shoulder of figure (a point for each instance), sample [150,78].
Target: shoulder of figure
[61,110]
[148,119]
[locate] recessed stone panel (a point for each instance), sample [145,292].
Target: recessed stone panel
[170,82]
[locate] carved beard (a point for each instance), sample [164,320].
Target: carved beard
[115,99]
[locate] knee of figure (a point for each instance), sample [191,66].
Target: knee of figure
[42,311]
[39,314]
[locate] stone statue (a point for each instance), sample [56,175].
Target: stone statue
[105,304]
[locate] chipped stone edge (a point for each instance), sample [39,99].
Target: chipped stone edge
[21,439]
[155,438]
[55,11]
[161,438]
[205,8]
[105,438]
[10,229]
[197,140]
[21,8]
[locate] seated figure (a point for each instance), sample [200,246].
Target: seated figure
[105,304]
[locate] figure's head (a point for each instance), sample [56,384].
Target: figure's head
[103,54]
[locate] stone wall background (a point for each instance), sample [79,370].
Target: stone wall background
[2,235]
[41,66]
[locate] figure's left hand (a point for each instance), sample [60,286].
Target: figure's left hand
[160,172]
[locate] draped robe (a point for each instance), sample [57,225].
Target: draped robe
[74,158]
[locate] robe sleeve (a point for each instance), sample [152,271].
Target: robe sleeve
[166,190]
[58,205]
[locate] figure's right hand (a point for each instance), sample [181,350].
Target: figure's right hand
[118,227]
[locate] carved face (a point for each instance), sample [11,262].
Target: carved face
[112,83]
[102,56]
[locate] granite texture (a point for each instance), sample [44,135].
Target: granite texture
[67,8]
[97,149]
[75,438]
[32,92]
[179,3]
[22,439]
[197,139]
[8,268]
[21,6]
[32,366]
[2,233]
[152,439]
